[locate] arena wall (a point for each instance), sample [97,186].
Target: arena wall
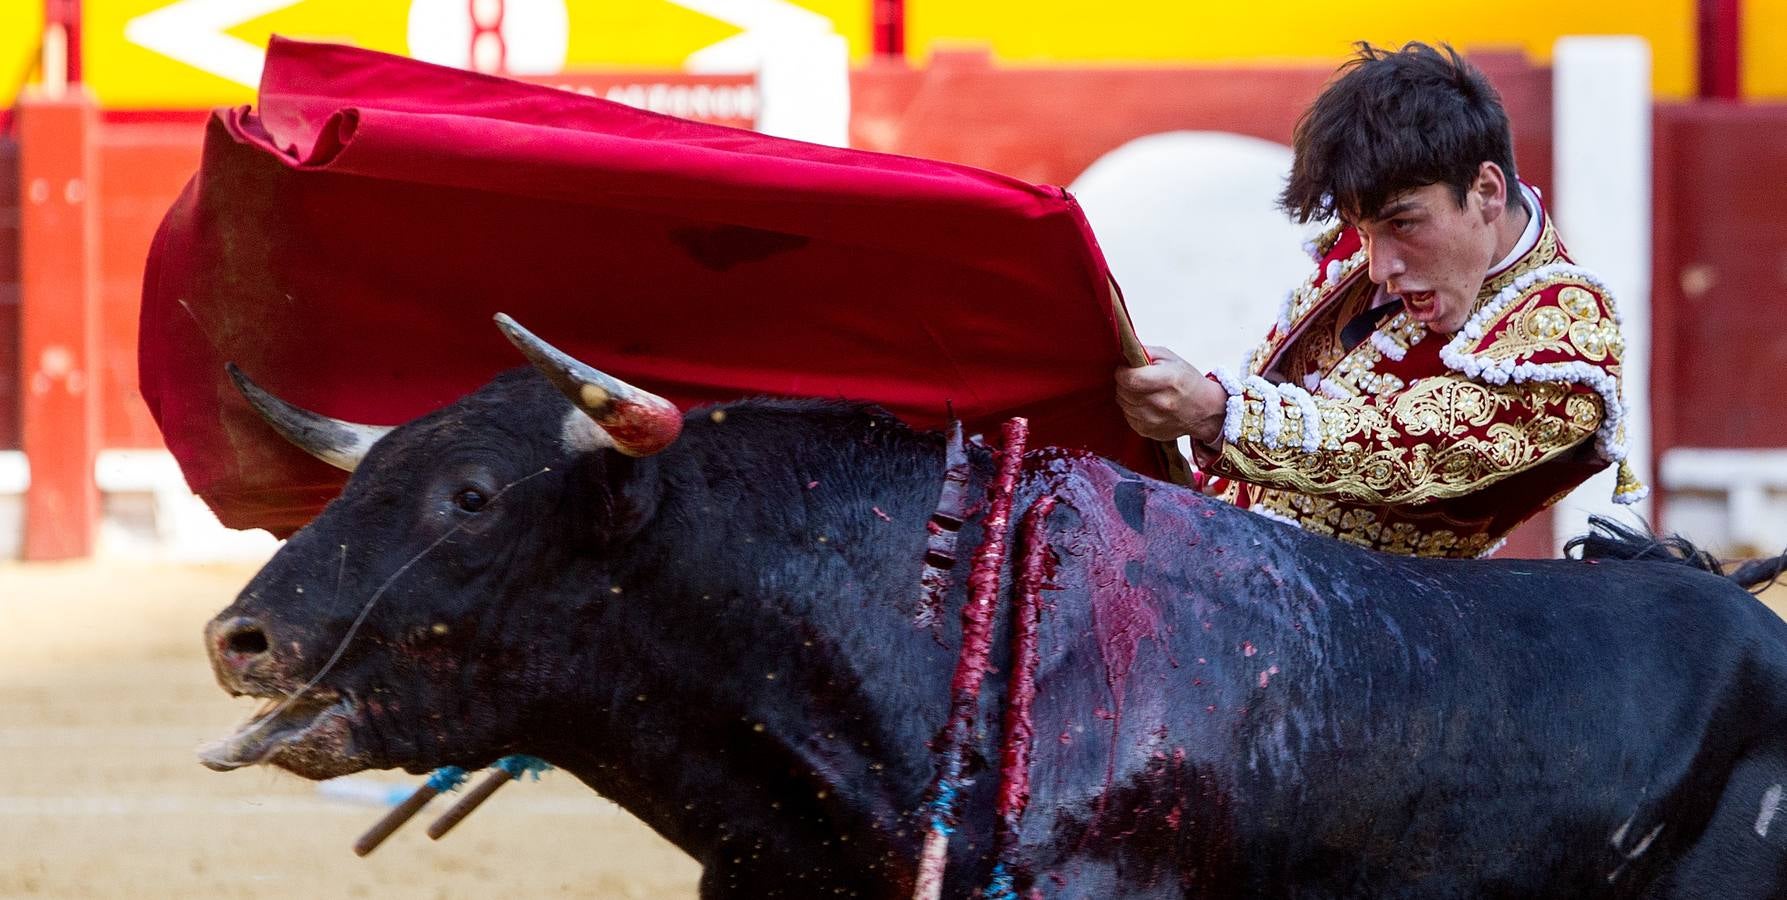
[1038,110]
[1719,271]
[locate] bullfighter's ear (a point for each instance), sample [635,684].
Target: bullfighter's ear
[336,442]
[637,422]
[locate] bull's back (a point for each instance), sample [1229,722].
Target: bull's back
[1228,703]
[1496,724]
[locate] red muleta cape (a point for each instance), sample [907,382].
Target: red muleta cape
[347,243]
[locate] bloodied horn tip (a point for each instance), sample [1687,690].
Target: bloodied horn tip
[638,422]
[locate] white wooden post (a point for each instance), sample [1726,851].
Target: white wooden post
[1601,105]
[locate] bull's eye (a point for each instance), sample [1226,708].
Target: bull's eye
[471,500]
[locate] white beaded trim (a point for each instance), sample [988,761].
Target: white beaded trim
[1384,338]
[1272,399]
[1388,347]
[1236,408]
[1473,328]
[1271,409]
[1607,440]
[1276,517]
[1284,310]
[1312,416]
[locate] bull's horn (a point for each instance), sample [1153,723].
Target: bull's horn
[338,443]
[639,423]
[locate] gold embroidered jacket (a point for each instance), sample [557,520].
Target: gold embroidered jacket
[1430,445]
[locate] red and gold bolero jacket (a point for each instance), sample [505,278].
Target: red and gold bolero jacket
[1431,445]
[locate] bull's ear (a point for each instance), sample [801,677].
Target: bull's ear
[338,443]
[639,423]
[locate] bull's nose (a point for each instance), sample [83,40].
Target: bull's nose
[237,644]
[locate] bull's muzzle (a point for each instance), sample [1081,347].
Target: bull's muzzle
[240,650]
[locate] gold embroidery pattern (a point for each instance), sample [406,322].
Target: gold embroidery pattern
[1441,437]
[1405,444]
[1319,347]
[1575,327]
[1579,304]
[1547,324]
[1322,285]
[1543,252]
[1357,372]
[1330,236]
[1366,526]
[1358,368]
[1405,331]
[1308,296]
[1253,419]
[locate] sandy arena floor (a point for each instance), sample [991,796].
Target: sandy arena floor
[104,693]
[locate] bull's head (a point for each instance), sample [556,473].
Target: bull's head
[368,618]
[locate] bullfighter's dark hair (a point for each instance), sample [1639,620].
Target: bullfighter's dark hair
[1396,120]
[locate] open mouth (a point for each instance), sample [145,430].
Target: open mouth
[308,735]
[1418,303]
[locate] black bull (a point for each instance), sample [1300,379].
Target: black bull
[727,638]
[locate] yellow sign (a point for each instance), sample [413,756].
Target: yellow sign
[202,53]
[21,26]
[1764,75]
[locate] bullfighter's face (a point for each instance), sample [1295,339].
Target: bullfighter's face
[1433,252]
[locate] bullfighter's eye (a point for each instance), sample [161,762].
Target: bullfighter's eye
[471,500]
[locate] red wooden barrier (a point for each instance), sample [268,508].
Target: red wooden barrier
[9,292]
[58,323]
[1719,269]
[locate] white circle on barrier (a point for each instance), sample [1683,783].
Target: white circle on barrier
[536,34]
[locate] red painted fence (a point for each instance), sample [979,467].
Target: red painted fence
[1720,276]
[9,293]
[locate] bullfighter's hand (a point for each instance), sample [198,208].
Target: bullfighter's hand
[1170,397]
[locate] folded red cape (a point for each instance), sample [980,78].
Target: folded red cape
[347,243]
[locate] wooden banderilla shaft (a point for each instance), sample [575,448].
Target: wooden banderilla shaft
[469,802]
[394,820]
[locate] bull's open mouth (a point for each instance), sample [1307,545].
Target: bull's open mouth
[309,736]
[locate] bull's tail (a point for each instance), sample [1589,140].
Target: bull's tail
[1608,539]
[1757,574]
